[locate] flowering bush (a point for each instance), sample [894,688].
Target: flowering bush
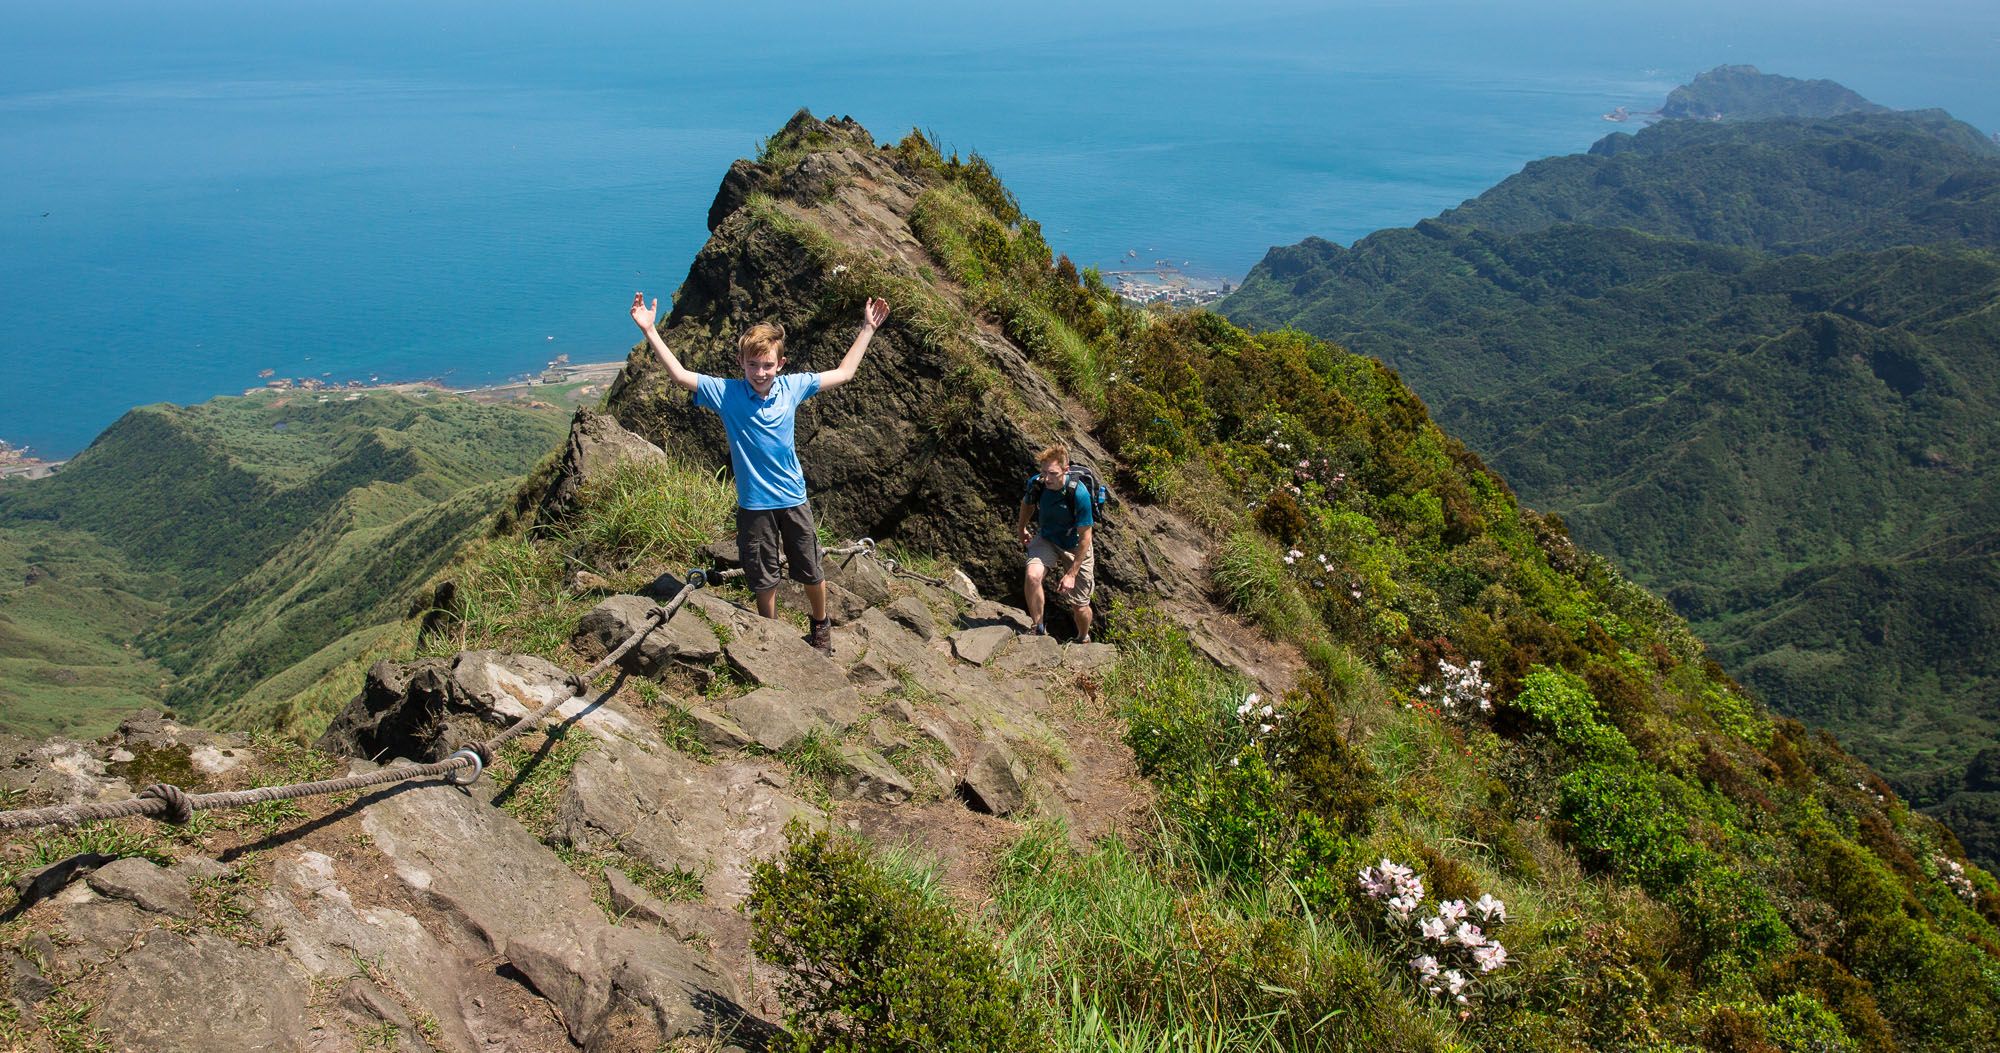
[1452,950]
[1459,687]
[1953,875]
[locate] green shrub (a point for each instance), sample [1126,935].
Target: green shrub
[871,964]
[1327,776]
[1560,703]
[1617,817]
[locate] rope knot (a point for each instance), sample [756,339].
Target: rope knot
[180,807]
[578,686]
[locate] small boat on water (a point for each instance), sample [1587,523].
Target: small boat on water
[1619,115]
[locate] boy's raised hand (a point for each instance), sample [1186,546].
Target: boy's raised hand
[875,313]
[645,317]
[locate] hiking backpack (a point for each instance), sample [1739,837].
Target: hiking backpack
[1083,477]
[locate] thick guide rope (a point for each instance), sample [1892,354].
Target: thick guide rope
[171,803]
[174,805]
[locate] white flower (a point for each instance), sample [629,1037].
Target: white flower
[1490,909]
[1467,935]
[1425,966]
[1455,981]
[1266,711]
[1424,690]
[1452,911]
[1263,729]
[1432,929]
[1490,957]
[1252,698]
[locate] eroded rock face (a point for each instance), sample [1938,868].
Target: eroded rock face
[894,454]
[597,444]
[388,923]
[425,709]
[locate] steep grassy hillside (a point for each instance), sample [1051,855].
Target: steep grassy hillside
[69,609]
[1794,448]
[192,552]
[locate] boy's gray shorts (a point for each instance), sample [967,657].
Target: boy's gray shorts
[761,534]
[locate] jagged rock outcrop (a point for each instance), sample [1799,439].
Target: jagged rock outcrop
[880,459]
[597,444]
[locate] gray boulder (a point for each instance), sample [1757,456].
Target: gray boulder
[864,576]
[773,654]
[911,613]
[202,993]
[842,606]
[139,882]
[995,782]
[714,820]
[684,638]
[977,645]
[870,777]
[425,709]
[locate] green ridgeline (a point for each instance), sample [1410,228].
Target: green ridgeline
[1759,363]
[192,552]
[1739,93]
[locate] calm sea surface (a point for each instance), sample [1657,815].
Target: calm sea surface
[357,189]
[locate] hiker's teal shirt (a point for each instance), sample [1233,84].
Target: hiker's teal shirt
[760,436]
[1061,515]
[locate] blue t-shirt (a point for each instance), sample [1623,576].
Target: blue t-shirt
[760,436]
[1062,512]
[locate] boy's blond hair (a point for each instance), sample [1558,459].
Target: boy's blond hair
[1056,452]
[760,338]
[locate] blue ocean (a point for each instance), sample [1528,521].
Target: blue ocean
[193,193]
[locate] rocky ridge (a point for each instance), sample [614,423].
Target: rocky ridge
[448,918]
[801,238]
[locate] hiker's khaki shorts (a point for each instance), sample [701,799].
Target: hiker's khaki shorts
[1056,563]
[763,534]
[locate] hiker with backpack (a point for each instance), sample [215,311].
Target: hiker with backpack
[1058,517]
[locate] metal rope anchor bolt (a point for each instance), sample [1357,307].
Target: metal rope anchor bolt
[478,767]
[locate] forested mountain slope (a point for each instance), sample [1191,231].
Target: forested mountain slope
[1756,362]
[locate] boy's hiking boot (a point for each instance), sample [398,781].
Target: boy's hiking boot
[821,636]
[1038,629]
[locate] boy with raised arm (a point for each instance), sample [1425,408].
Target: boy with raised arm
[758,412]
